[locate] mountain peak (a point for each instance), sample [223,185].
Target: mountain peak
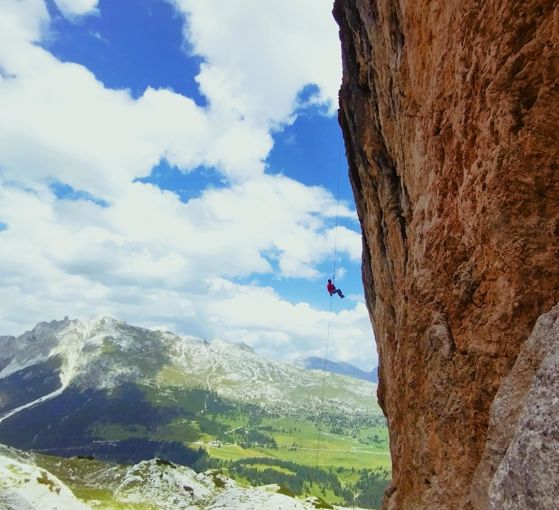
[103,353]
[337,367]
[245,347]
[103,320]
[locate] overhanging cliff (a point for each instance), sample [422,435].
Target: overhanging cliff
[450,113]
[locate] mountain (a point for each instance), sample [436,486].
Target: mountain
[121,393]
[104,354]
[39,482]
[338,367]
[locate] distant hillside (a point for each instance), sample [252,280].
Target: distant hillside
[121,393]
[107,355]
[338,367]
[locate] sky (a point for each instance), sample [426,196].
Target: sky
[178,164]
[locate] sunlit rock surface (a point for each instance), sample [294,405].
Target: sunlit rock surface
[450,112]
[25,486]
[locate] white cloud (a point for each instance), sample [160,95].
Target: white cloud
[149,237]
[72,8]
[216,308]
[23,20]
[259,55]
[99,139]
[147,254]
[261,318]
[90,137]
[153,257]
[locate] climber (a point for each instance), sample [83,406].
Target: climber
[331,288]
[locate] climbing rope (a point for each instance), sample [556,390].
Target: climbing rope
[323,383]
[327,345]
[337,216]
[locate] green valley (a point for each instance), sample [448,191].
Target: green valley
[133,394]
[342,460]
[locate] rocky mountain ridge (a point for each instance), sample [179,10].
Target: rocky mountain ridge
[337,367]
[25,482]
[103,353]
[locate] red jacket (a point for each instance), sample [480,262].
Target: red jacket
[331,288]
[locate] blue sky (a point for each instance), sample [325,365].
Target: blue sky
[159,167]
[131,45]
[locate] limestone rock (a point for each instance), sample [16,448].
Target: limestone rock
[25,486]
[519,468]
[450,112]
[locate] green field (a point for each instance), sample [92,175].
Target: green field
[304,443]
[343,459]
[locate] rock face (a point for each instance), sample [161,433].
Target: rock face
[148,485]
[25,486]
[522,451]
[450,112]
